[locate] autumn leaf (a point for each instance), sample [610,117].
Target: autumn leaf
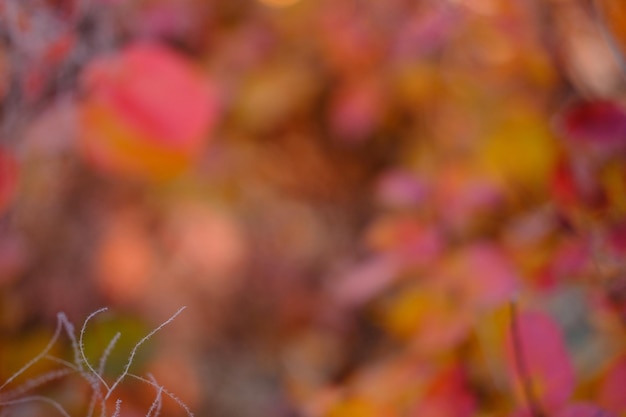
[147,112]
[599,125]
[539,364]
[520,151]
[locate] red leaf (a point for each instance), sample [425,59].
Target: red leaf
[156,90]
[612,394]
[147,112]
[600,123]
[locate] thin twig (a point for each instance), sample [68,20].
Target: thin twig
[81,346]
[107,353]
[134,351]
[118,408]
[34,383]
[71,334]
[41,398]
[97,392]
[95,396]
[93,377]
[166,392]
[156,404]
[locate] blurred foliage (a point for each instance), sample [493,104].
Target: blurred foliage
[370,208]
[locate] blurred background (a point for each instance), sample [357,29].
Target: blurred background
[347,196]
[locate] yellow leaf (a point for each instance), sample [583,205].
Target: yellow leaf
[519,152]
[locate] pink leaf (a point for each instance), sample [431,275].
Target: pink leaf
[539,361]
[495,275]
[365,281]
[398,188]
[483,275]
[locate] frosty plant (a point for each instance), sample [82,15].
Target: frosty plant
[102,390]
